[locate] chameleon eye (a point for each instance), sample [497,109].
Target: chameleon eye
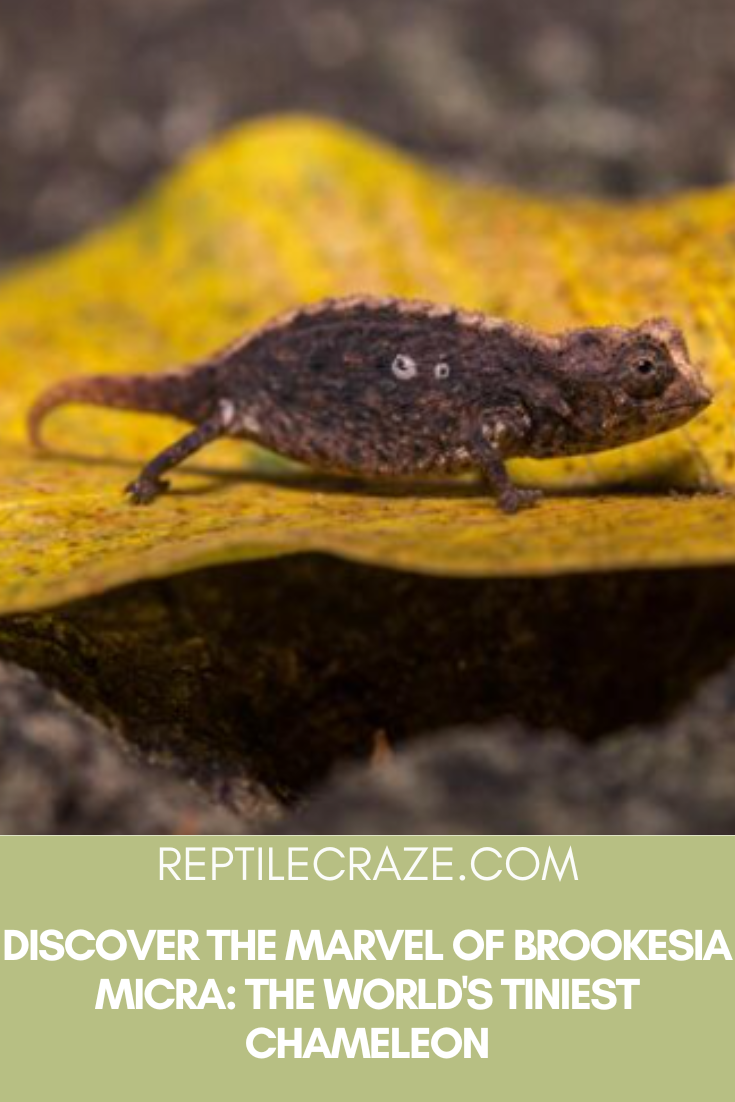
[403,367]
[648,372]
[442,370]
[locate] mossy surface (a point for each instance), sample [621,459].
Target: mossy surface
[292,667]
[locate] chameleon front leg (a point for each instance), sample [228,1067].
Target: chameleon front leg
[500,435]
[149,484]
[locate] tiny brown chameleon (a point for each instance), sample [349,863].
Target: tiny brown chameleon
[387,387]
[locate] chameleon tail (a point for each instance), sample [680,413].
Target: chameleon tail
[182,394]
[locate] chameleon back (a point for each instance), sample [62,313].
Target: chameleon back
[374,386]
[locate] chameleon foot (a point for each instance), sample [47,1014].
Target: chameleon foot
[514,499]
[144,490]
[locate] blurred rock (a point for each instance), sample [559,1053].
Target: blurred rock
[676,778]
[97,97]
[63,773]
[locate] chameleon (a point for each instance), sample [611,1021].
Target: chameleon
[389,387]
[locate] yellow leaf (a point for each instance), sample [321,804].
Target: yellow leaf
[284,212]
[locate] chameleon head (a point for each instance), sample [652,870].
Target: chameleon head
[644,383]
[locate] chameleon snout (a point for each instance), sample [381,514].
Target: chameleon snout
[702,394]
[706,394]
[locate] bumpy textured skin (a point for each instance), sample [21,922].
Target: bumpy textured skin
[388,388]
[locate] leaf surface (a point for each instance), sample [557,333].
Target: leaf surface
[284,212]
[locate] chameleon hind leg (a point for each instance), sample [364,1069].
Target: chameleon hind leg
[149,483]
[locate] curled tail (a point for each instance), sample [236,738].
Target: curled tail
[186,394]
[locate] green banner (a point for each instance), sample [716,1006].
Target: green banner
[527,967]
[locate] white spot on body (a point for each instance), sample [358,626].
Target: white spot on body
[403,367]
[442,370]
[227,412]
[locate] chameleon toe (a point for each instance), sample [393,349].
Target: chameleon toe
[144,491]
